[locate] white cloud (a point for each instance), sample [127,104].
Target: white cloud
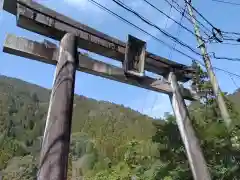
[138,5]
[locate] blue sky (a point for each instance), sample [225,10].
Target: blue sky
[147,102]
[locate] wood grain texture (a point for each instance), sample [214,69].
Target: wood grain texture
[56,139]
[37,18]
[192,146]
[40,52]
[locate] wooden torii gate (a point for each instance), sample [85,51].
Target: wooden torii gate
[73,35]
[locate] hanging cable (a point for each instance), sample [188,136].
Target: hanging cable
[225,58]
[219,69]
[169,14]
[235,33]
[234,82]
[124,6]
[215,30]
[213,27]
[200,14]
[228,72]
[169,17]
[181,9]
[178,33]
[231,36]
[158,40]
[156,96]
[227,2]
[224,43]
[138,28]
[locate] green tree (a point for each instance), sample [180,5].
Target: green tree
[21,168]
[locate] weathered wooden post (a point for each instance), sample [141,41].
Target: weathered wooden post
[195,156]
[55,146]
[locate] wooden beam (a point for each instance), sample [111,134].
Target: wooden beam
[37,18]
[40,52]
[10,6]
[194,153]
[56,139]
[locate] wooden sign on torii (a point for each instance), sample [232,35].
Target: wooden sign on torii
[73,35]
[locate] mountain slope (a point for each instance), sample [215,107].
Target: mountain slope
[23,111]
[110,141]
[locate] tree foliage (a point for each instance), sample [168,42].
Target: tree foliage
[116,143]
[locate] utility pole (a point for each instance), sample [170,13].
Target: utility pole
[194,153]
[216,89]
[56,140]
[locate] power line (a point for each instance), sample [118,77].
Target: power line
[224,38]
[224,43]
[169,17]
[200,14]
[231,38]
[124,6]
[188,18]
[204,18]
[178,33]
[235,33]
[169,14]
[170,53]
[225,58]
[219,69]
[159,40]
[228,72]
[234,82]
[138,28]
[227,2]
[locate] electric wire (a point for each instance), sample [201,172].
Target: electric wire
[224,58]
[225,43]
[219,69]
[227,2]
[124,6]
[159,40]
[200,14]
[211,24]
[234,59]
[235,33]
[234,82]
[156,96]
[178,33]
[216,57]
[188,18]
[169,14]
[138,28]
[169,17]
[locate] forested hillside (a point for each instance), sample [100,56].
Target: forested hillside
[111,142]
